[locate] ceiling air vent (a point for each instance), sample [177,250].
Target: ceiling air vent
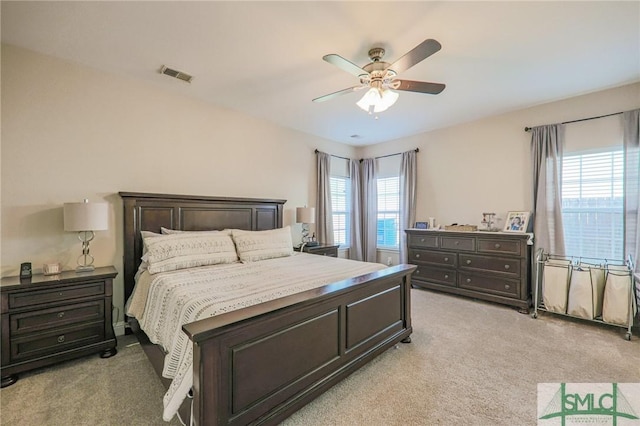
[176,74]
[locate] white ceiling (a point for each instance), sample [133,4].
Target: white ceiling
[265,58]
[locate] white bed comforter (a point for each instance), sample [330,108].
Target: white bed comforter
[163,302]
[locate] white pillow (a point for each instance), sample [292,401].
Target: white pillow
[188,250]
[167,231]
[260,245]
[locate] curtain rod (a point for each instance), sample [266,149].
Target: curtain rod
[526,129]
[382,156]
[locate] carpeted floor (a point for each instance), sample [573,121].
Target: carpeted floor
[470,363]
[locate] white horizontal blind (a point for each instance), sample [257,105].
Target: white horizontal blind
[592,204]
[340,195]
[388,226]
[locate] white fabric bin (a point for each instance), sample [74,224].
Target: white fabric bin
[555,284]
[618,297]
[586,291]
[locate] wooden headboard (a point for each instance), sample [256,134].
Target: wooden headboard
[149,212]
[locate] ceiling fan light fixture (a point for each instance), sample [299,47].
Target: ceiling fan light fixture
[377,100]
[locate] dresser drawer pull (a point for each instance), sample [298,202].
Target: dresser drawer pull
[60,314]
[446,276]
[61,339]
[497,245]
[446,259]
[422,240]
[417,271]
[468,280]
[506,266]
[60,294]
[507,286]
[417,256]
[456,242]
[469,262]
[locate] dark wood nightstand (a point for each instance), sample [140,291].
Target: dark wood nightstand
[322,250]
[49,319]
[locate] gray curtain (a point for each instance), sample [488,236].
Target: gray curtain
[408,179]
[369,210]
[631,140]
[547,144]
[324,218]
[355,225]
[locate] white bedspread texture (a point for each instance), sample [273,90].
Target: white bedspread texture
[163,302]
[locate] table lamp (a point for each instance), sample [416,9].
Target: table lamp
[85,218]
[305,216]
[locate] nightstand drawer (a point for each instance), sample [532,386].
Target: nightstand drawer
[32,345]
[325,252]
[62,294]
[57,317]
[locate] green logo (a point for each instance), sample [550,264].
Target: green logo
[587,400]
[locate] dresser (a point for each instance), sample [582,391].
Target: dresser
[49,319]
[492,266]
[321,249]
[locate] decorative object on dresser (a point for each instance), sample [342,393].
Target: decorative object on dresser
[305,216]
[489,266]
[85,218]
[321,249]
[517,222]
[55,318]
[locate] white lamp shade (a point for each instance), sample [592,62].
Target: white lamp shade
[305,215]
[86,216]
[378,99]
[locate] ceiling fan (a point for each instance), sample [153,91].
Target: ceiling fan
[380,77]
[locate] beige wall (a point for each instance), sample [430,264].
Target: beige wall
[70,132]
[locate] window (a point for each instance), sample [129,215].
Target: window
[340,202]
[389,212]
[592,204]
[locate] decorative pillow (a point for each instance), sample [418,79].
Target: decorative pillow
[260,245]
[167,231]
[187,250]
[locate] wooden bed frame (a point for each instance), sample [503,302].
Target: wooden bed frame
[260,364]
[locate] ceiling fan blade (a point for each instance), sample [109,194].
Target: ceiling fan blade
[419,86]
[417,54]
[338,93]
[344,64]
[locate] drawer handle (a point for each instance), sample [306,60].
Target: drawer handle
[506,266]
[60,294]
[456,242]
[507,286]
[61,339]
[417,256]
[497,245]
[468,262]
[417,271]
[446,259]
[61,314]
[446,276]
[468,280]
[422,240]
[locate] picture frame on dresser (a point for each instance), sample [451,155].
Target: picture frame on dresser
[517,221]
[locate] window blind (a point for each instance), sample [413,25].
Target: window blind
[388,226]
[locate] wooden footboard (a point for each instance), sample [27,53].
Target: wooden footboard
[260,364]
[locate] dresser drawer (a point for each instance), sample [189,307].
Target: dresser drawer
[33,345]
[499,246]
[61,294]
[436,275]
[504,265]
[57,317]
[423,240]
[458,243]
[432,257]
[494,285]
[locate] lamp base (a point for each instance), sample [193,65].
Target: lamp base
[82,268]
